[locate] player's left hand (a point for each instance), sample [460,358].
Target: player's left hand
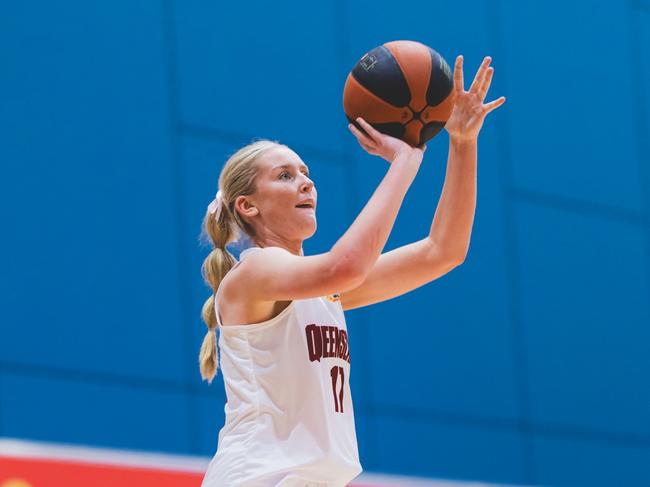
[467,116]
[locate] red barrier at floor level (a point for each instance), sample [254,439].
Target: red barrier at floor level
[26,463]
[21,472]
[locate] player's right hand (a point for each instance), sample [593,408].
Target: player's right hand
[383,145]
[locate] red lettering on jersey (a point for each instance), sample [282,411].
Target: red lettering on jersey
[334,332]
[344,345]
[326,341]
[337,348]
[314,342]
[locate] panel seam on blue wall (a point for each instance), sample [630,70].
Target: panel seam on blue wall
[182,254]
[643,5]
[238,138]
[101,378]
[408,413]
[592,435]
[633,18]
[582,207]
[1,402]
[503,424]
[511,244]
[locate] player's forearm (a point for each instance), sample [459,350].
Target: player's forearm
[452,224]
[364,241]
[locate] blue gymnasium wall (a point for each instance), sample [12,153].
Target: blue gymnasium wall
[527,364]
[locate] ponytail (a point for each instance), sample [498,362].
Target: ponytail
[224,227]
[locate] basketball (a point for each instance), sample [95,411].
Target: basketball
[403,89]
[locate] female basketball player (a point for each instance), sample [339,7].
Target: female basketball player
[284,348]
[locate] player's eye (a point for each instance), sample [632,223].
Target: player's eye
[287,173]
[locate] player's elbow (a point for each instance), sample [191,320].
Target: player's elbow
[457,259]
[455,256]
[446,256]
[447,259]
[348,275]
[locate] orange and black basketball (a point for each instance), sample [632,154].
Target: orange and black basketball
[403,89]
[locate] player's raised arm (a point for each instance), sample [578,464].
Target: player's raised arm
[275,274]
[452,224]
[408,267]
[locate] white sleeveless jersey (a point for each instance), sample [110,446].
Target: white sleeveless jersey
[289,415]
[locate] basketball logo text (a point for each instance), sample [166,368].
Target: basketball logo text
[368,62]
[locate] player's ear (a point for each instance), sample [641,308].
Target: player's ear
[246,206]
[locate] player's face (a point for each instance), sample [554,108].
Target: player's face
[282,184]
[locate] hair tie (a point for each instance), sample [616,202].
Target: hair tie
[216,205]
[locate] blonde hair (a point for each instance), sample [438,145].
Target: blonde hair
[237,178]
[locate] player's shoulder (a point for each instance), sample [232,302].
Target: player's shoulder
[255,266]
[254,258]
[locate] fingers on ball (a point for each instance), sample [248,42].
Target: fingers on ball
[363,139]
[369,128]
[367,135]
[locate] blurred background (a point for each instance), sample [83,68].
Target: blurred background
[527,365]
